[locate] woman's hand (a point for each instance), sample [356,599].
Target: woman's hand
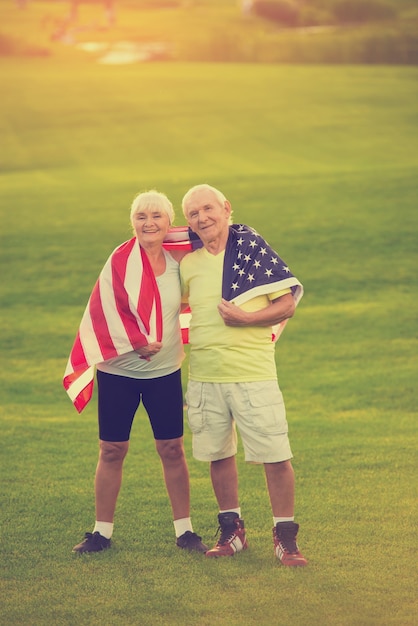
[146,352]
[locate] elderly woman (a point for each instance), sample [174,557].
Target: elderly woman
[131,333]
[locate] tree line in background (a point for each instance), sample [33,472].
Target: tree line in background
[258,31]
[293,13]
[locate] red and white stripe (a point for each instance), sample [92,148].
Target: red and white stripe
[123,314]
[178,238]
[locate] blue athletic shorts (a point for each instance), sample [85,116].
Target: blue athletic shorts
[119,398]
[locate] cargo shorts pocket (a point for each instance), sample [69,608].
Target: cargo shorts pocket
[194,401]
[267,411]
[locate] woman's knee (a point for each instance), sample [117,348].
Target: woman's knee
[113,451]
[170,449]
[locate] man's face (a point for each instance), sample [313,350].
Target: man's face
[207,216]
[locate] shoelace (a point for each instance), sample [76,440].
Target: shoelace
[93,537]
[193,538]
[288,542]
[227,532]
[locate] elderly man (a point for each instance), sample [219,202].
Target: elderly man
[238,289]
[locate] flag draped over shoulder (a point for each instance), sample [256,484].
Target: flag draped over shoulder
[182,238]
[122,314]
[252,268]
[124,309]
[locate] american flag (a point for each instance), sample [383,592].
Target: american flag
[123,313]
[252,268]
[124,310]
[182,238]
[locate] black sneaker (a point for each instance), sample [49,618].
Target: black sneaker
[191,541]
[93,542]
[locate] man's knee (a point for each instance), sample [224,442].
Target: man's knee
[280,468]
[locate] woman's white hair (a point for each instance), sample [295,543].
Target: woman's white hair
[152,200]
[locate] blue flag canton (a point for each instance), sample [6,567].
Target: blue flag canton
[250,262]
[194,239]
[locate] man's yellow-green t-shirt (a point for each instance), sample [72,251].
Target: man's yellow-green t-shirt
[220,353]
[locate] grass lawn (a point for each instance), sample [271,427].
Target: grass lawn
[323,162]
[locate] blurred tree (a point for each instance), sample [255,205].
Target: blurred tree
[246,6]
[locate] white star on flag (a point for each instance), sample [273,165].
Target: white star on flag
[246,249]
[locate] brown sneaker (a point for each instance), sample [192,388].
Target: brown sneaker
[285,546]
[233,537]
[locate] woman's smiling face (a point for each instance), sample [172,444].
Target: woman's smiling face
[150,225]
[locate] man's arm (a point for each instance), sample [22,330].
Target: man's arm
[280,309]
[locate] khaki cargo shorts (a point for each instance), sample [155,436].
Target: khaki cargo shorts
[257,409]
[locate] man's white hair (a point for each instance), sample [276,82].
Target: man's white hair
[203,187]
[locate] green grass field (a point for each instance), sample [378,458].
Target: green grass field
[323,162]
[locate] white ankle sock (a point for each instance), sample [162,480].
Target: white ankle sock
[282,519]
[104,528]
[238,510]
[182,525]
